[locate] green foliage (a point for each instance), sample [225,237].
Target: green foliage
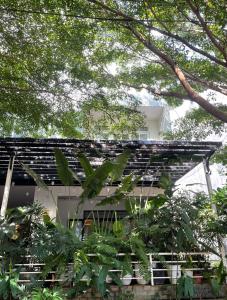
[126,186]
[88,170]
[219,278]
[218,223]
[9,287]
[43,78]
[35,176]
[185,287]
[125,296]
[166,222]
[93,184]
[221,156]
[94,269]
[121,162]
[62,165]
[60,245]
[196,125]
[174,223]
[16,229]
[118,228]
[47,294]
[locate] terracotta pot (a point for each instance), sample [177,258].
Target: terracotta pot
[198,280]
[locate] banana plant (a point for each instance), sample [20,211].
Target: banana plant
[95,179]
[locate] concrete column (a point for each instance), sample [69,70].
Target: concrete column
[7,186]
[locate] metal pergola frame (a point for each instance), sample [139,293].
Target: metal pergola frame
[148,158]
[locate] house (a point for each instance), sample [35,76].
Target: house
[148,158]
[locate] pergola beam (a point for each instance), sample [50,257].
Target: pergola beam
[5,198]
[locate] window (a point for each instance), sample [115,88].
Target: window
[102,219]
[143,134]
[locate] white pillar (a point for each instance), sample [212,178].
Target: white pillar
[7,186]
[208,182]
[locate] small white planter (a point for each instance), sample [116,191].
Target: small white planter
[108,279]
[126,279]
[188,273]
[86,279]
[139,274]
[174,272]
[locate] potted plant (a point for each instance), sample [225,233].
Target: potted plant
[187,268]
[174,272]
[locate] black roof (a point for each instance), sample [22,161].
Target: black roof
[148,158]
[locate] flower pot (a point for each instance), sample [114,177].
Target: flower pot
[198,280]
[139,274]
[108,279]
[174,272]
[126,279]
[188,273]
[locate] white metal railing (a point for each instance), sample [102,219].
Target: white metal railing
[160,267]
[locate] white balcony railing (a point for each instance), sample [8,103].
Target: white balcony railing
[160,267]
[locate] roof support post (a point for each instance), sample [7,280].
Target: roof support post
[7,186]
[207,172]
[222,241]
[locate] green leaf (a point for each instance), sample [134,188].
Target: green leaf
[120,164]
[127,185]
[115,278]
[74,175]
[96,181]
[40,183]
[101,280]
[185,287]
[116,197]
[63,170]
[157,201]
[85,164]
[165,181]
[118,228]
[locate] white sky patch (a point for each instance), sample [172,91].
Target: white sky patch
[112,68]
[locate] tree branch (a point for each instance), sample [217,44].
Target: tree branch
[157,92]
[208,84]
[207,30]
[163,32]
[192,94]
[192,47]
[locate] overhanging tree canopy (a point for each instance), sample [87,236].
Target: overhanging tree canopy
[65,51]
[46,76]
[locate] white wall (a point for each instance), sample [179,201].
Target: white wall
[195,180]
[50,199]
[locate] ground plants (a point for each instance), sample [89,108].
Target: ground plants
[171,221]
[185,288]
[9,287]
[47,294]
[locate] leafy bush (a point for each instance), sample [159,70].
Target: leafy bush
[47,294]
[9,287]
